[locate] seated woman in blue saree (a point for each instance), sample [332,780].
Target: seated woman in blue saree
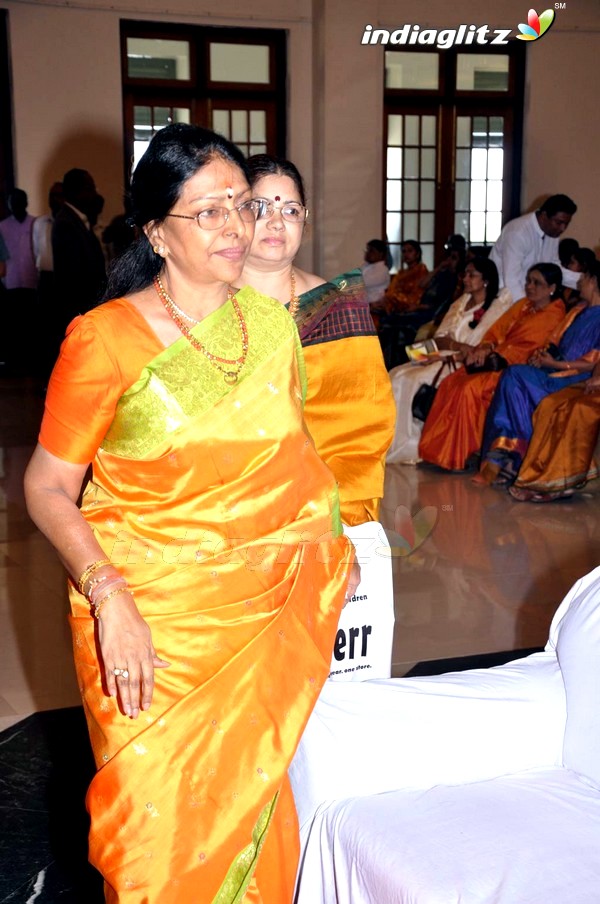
[509,425]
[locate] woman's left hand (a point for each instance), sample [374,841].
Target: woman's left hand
[478,355]
[353,581]
[592,385]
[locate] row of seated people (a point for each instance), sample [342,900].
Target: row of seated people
[416,296]
[516,356]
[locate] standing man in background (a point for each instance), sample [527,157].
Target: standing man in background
[79,271]
[533,239]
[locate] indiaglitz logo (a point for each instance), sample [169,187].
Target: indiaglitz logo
[536,25]
[444,38]
[409,532]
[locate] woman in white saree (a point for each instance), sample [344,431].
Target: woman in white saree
[463,327]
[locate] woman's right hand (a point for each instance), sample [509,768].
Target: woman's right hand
[542,359]
[126,644]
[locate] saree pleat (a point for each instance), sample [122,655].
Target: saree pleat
[349,409]
[562,454]
[454,427]
[215,507]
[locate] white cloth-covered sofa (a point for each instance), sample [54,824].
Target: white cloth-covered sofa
[479,787]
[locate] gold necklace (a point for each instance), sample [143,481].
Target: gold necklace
[294,300]
[232,366]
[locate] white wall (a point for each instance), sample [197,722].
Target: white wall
[67,85]
[67,98]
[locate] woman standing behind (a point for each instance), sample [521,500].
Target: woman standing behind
[207,546]
[349,406]
[453,431]
[462,328]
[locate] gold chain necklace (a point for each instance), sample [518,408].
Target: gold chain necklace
[294,300]
[231,366]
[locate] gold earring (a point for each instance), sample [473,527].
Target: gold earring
[159,249]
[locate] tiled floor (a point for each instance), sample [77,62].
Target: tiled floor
[490,572]
[474,573]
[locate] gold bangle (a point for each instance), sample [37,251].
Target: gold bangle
[108,596]
[88,572]
[93,582]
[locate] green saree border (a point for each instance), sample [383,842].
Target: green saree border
[240,872]
[179,383]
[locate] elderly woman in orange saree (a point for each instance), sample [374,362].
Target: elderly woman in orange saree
[453,430]
[208,544]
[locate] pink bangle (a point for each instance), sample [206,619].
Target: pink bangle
[101,589]
[105,599]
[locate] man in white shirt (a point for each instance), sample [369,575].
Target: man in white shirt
[375,271]
[44,261]
[42,232]
[531,239]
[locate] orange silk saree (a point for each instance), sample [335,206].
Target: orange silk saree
[561,455]
[404,292]
[212,502]
[454,427]
[350,408]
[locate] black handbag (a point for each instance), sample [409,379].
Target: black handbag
[425,394]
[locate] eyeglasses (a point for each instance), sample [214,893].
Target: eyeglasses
[215,217]
[291,211]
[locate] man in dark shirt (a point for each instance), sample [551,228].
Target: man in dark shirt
[79,268]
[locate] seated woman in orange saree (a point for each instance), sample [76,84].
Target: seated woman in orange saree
[405,290]
[562,452]
[237,565]
[453,430]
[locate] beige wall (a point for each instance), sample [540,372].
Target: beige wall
[67,97]
[561,131]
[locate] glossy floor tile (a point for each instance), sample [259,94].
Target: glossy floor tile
[36,671]
[476,571]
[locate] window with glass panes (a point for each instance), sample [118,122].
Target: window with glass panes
[229,79]
[453,127]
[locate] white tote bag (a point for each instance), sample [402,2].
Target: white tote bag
[363,644]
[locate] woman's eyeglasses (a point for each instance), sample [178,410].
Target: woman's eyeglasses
[215,217]
[291,211]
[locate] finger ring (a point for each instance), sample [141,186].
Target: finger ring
[122,673]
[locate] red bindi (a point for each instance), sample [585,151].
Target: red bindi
[277,198]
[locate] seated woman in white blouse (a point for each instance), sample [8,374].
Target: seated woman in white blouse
[468,319]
